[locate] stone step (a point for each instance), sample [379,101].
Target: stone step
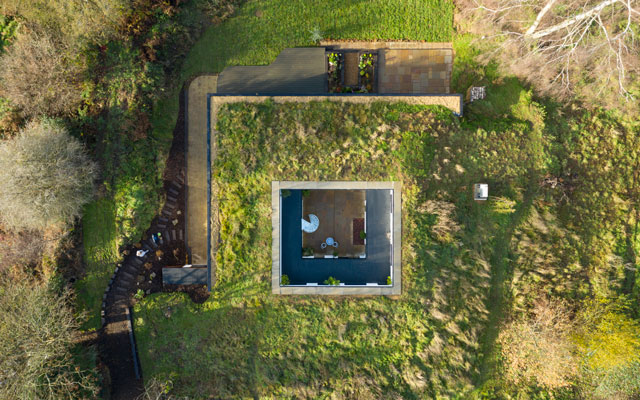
[121,289]
[176,185]
[163,220]
[137,260]
[128,275]
[151,243]
[171,199]
[167,212]
[173,235]
[174,192]
[181,177]
[170,206]
[120,296]
[146,247]
[165,233]
[180,234]
[161,226]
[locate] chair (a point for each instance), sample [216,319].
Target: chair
[323,246]
[335,244]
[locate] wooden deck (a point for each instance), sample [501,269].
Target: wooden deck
[336,210]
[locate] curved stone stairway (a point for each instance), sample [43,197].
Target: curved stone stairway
[117,339]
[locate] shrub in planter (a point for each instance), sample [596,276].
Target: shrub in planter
[284,281]
[363,235]
[332,281]
[389,281]
[307,251]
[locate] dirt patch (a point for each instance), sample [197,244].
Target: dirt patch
[198,293]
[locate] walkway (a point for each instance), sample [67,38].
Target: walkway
[117,332]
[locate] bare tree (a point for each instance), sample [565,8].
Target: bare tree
[39,76]
[550,41]
[37,335]
[46,177]
[538,349]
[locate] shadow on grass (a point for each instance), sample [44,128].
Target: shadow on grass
[496,303]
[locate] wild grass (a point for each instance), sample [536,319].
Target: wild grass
[259,31]
[245,342]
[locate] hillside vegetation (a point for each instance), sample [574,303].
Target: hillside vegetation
[468,268]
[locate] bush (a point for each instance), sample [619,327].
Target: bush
[284,281]
[37,75]
[46,177]
[332,281]
[39,335]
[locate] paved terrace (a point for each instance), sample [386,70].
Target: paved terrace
[407,67]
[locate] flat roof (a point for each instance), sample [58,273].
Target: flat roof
[295,71]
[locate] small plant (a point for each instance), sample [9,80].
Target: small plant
[307,251]
[363,235]
[334,59]
[284,281]
[316,34]
[305,193]
[139,294]
[332,281]
[285,193]
[335,253]
[365,65]
[389,281]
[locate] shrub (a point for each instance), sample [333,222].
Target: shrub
[39,335]
[46,177]
[332,281]
[363,235]
[389,281]
[38,76]
[284,281]
[537,349]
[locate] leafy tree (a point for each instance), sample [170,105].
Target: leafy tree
[608,342]
[46,177]
[37,339]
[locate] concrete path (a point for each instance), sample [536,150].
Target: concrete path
[196,162]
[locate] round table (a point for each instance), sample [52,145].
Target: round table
[330,241]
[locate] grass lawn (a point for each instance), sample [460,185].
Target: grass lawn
[100,255]
[245,342]
[246,39]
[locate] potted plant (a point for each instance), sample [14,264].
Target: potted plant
[284,281]
[307,251]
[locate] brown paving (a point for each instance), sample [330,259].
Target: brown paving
[351,69]
[336,210]
[415,71]
[407,67]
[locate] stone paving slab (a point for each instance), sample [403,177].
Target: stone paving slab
[415,70]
